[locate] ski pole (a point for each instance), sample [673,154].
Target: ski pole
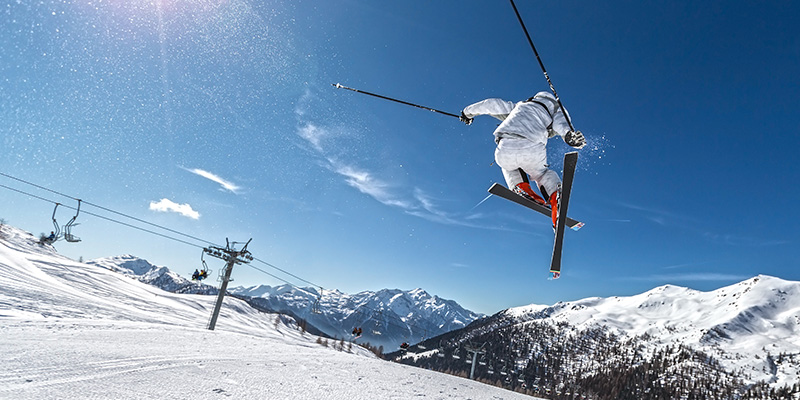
[339,86]
[541,64]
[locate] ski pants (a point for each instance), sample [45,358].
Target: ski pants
[514,153]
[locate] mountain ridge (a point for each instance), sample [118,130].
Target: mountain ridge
[742,337]
[387,317]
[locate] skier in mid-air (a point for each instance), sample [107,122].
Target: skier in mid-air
[522,143]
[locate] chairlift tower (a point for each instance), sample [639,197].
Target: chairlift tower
[231,256]
[475,351]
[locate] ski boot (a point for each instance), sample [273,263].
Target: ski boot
[524,189]
[554,201]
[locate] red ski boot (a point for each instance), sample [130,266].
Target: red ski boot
[554,207]
[524,189]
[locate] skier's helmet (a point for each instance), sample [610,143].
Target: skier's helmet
[546,99]
[544,95]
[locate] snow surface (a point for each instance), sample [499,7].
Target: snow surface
[74,330]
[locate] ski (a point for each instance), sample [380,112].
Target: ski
[570,162]
[502,191]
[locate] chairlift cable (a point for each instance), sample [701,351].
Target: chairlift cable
[100,216]
[287,273]
[105,209]
[140,228]
[386,322]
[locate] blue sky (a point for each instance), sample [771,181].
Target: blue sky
[218,119]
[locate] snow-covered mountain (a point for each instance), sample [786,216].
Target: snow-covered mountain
[740,324]
[72,330]
[159,276]
[734,337]
[387,317]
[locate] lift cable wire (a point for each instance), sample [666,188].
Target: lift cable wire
[373,311]
[103,217]
[107,209]
[265,272]
[142,229]
[288,273]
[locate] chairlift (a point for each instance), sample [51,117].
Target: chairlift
[420,345]
[357,331]
[315,308]
[68,236]
[204,270]
[54,235]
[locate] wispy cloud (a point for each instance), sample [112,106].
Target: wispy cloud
[685,265]
[166,205]
[367,183]
[302,106]
[312,134]
[226,185]
[667,218]
[658,216]
[411,200]
[739,241]
[690,277]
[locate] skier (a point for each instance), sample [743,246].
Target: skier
[196,275]
[522,143]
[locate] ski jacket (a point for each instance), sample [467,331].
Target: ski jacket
[535,119]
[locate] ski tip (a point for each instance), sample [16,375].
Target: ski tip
[577,226]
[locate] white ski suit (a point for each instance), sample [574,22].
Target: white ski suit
[522,137]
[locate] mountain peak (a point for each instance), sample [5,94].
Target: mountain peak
[387,317]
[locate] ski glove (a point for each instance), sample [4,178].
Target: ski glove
[575,139]
[465,119]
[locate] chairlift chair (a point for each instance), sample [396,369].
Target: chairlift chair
[315,308]
[204,270]
[68,236]
[420,345]
[57,229]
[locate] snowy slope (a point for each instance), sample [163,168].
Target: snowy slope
[746,325]
[74,330]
